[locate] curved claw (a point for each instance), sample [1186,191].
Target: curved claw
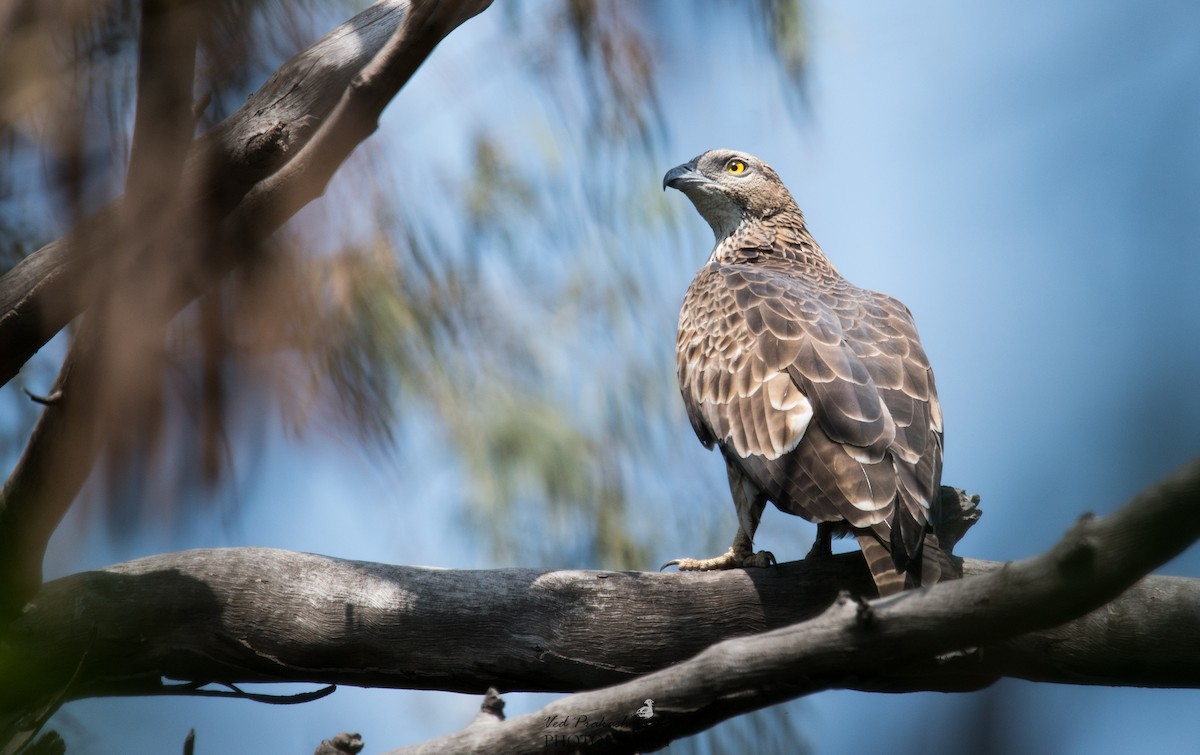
[762,559]
[731,559]
[727,560]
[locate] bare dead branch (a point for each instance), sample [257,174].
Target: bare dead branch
[261,615]
[355,118]
[1097,560]
[345,743]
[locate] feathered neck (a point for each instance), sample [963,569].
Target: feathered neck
[781,236]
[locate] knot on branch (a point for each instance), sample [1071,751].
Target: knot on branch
[864,615]
[491,710]
[1079,555]
[953,513]
[267,148]
[346,742]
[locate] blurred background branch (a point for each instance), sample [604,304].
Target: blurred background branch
[168,249]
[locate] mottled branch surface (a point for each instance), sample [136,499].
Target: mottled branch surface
[256,614]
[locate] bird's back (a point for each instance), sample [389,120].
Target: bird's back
[818,391]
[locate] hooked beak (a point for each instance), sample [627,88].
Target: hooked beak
[684,176]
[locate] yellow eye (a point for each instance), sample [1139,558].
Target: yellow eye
[736,166]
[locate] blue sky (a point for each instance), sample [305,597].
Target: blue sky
[1025,176]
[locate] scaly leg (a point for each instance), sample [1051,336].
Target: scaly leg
[749,503]
[823,545]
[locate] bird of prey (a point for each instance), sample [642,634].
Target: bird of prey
[817,392]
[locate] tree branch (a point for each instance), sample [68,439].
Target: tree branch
[262,615]
[41,294]
[1095,561]
[113,355]
[355,118]
[65,442]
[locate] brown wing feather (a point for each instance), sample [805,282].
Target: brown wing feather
[733,369]
[818,392]
[859,436]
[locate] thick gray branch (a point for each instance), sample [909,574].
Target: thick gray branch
[252,614]
[1096,561]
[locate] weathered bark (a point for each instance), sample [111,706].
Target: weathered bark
[705,647]
[203,248]
[262,615]
[1095,561]
[255,615]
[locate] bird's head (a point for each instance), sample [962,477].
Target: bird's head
[729,187]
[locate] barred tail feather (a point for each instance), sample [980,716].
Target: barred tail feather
[888,579]
[932,565]
[936,564]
